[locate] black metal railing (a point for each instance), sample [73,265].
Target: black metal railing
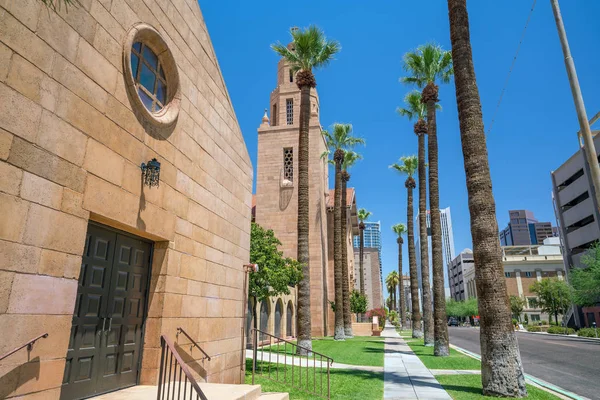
[275,359]
[192,343]
[175,380]
[29,346]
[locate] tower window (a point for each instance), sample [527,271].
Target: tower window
[274,115]
[291,76]
[289,111]
[288,164]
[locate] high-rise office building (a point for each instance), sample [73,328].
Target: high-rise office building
[372,238]
[447,244]
[525,230]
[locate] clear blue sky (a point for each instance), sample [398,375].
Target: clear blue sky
[535,127]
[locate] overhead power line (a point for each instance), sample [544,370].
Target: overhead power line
[512,66]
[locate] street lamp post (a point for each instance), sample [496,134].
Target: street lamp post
[589,148]
[595,329]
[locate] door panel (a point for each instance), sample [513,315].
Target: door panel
[83,354]
[106,335]
[126,302]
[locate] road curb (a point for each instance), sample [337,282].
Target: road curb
[585,339]
[531,379]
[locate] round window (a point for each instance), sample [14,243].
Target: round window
[151,75]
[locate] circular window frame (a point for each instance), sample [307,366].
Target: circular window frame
[151,38]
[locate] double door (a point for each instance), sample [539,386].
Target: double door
[107,330]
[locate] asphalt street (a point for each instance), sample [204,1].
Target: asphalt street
[569,363]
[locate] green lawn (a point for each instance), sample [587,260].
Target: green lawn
[455,360]
[360,350]
[468,387]
[345,384]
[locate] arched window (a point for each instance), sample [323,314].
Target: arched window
[290,316]
[264,318]
[278,312]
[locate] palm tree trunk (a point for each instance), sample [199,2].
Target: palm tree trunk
[423,241]
[337,247]
[401,289]
[303,313]
[412,262]
[501,368]
[361,248]
[441,347]
[345,273]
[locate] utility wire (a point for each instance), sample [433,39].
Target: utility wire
[511,67]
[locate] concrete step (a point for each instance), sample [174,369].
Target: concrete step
[274,396]
[230,392]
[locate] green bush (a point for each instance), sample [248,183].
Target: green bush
[543,322]
[559,330]
[587,332]
[534,329]
[515,322]
[526,319]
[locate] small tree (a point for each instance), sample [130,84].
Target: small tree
[554,296]
[358,303]
[516,306]
[276,274]
[586,281]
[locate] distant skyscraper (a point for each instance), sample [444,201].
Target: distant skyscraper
[525,230]
[372,238]
[447,244]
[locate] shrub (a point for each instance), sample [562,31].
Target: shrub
[543,322]
[534,329]
[526,319]
[559,330]
[587,332]
[515,322]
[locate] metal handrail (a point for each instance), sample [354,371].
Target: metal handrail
[305,386]
[180,330]
[168,380]
[29,346]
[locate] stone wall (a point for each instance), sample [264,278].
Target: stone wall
[71,143]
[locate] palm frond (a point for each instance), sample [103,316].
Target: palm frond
[363,214]
[414,108]
[428,63]
[311,49]
[408,165]
[350,158]
[399,229]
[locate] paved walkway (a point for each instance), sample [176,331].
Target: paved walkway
[405,376]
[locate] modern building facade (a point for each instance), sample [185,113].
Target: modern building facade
[277,187]
[577,217]
[373,283]
[456,274]
[524,265]
[524,230]
[104,256]
[447,244]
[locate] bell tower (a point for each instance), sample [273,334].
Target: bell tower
[277,185]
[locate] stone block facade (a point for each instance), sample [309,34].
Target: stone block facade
[71,146]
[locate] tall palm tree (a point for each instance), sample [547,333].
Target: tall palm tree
[399,230]
[391,281]
[428,64]
[338,141]
[363,215]
[309,49]
[501,368]
[408,166]
[415,109]
[350,158]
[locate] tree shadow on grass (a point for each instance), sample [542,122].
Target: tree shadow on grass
[464,389]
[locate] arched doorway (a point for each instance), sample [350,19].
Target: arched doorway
[289,319]
[264,318]
[278,313]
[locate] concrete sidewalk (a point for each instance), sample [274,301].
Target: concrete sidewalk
[405,376]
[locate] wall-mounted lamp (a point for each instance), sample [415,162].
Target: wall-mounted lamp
[151,173]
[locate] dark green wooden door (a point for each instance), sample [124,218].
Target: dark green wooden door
[106,334]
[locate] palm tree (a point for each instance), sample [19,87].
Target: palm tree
[415,109]
[426,65]
[400,229]
[408,166]
[309,49]
[363,215]
[350,158]
[391,281]
[501,368]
